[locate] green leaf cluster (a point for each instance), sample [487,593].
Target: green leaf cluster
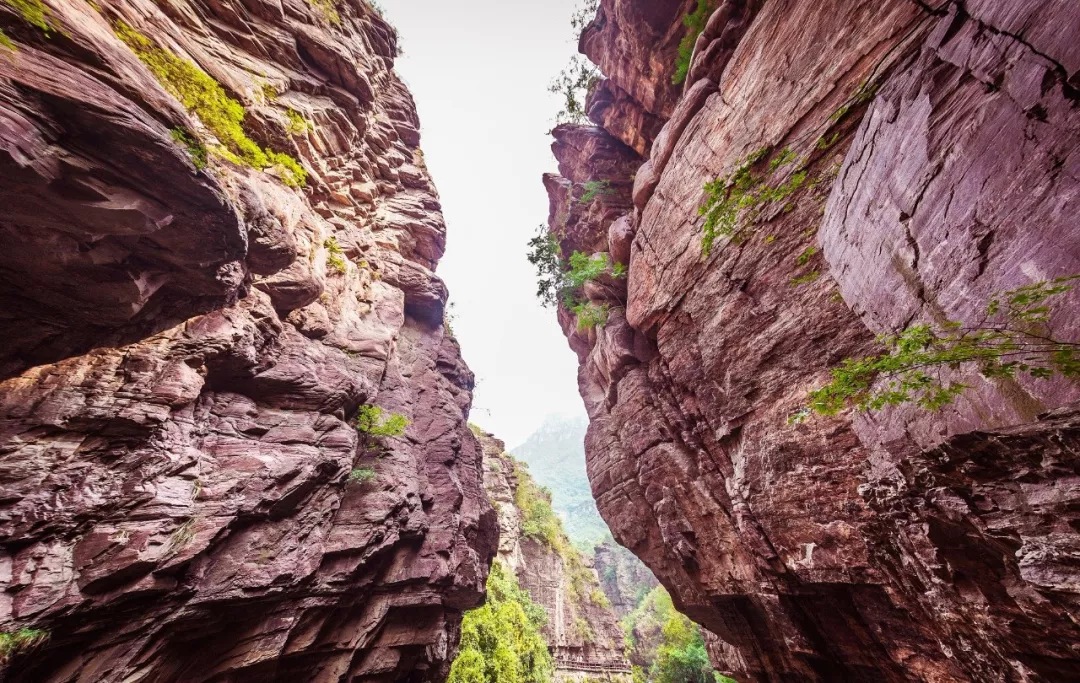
[744,193]
[560,280]
[679,655]
[501,642]
[695,23]
[13,642]
[361,475]
[370,421]
[205,98]
[335,255]
[593,189]
[573,85]
[297,124]
[327,11]
[1012,338]
[538,520]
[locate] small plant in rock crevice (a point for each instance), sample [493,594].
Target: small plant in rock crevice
[595,188]
[327,11]
[335,255]
[361,475]
[206,99]
[590,315]
[1012,338]
[14,642]
[33,12]
[695,24]
[196,150]
[372,421]
[297,124]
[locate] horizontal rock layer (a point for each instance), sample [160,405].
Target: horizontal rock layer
[941,147]
[182,494]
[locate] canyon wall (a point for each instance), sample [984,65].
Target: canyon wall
[922,157]
[582,631]
[189,329]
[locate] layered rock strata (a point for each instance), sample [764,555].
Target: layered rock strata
[623,577]
[937,149]
[182,494]
[582,631]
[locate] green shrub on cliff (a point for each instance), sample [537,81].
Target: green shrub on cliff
[1013,338]
[370,421]
[13,642]
[206,99]
[501,642]
[538,520]
[695,24]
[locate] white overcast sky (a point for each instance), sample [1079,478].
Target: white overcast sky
[479,70]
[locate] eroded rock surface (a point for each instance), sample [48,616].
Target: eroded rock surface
[941,148]
[182,494]
[582,632]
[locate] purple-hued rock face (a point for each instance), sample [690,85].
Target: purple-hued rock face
[184,350]
[895,546]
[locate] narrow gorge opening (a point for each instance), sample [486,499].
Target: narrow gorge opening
[784,387]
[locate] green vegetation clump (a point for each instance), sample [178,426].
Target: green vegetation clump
[599,598]
[13,642]
[501,642]
[669,640]
[297,124]
[593,189]
[196,149]
[327,11]
[335,255]
[205,98]
[370,421]
[584,630]
[695,24]
[743,193]
[1014,337]
[361,475]
[812,276]
[590,315]
[538,520]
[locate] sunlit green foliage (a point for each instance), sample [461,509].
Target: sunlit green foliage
[538,520]
[593,189]
[695,24]
[205,98]
[670,641]
[13,642]
[361,475]
[501,641]
[335,255]
[590,315]
[1014,337]
[370,421]
[743,193]
[297,124]
[327,11]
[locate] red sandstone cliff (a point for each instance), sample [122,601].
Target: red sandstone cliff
[942,149]
[582,631]
[184,349]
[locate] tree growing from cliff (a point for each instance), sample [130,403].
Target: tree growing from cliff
[1014,337]
[695,24]
[574,84]
[501,642]
[561,280]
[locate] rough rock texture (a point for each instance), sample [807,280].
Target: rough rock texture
[623,577]
[897,546]
[582,633]
[175,503]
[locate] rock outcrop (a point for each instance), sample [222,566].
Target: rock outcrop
[926,156]
[182,494]
[582,631]
[624,579]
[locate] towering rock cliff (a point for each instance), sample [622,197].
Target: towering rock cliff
[190,326]
[582,632]
[919,158]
